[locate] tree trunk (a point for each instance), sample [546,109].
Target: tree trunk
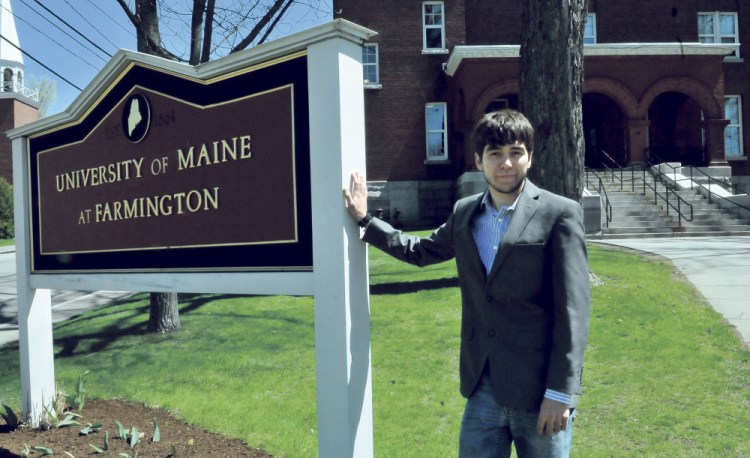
[196,31]
[209,30]
[146,11]
[551,86]
[164,316]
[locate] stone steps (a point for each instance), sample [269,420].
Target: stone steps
[636,215]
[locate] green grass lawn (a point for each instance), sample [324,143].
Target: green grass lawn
[7,242]
[665,376]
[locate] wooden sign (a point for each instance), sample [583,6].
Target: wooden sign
[166,172]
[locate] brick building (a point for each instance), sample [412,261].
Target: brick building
[662,79]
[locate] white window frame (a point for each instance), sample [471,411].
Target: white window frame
[426,27]
[376,65]
[734,124]
[431,132]
[716,36]
[590,19]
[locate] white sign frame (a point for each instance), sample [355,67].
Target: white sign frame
[340,288]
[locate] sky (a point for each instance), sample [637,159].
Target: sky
[76,38]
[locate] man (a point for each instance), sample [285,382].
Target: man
[523,272]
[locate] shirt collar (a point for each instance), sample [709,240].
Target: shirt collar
[485,204]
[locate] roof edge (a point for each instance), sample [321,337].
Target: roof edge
[460,53]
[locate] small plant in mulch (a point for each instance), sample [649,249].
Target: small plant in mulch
[18,439]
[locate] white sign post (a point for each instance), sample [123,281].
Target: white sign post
[342,315]
[338,280]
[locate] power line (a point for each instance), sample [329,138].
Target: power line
[53,40]
[39,62]
[88,22]
[72,28]
[130,31]
[56,26]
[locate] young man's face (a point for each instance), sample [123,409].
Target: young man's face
[504,168]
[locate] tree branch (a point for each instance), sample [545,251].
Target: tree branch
[274,23]
[259,25]
[156,48]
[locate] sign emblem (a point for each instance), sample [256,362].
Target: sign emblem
[136,117]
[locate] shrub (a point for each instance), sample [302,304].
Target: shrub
[7,226]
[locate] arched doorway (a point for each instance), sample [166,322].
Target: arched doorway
[604,128]
[676,132]
[502,102]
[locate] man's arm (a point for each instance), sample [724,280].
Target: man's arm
[419,251]
[570,274]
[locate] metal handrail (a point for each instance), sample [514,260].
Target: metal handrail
[602,191]
[620,171]
[622,179]
[738,207]
[665,198]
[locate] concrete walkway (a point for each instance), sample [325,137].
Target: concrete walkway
[65,304]
[719,267]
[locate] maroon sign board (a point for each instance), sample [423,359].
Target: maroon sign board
[171,173]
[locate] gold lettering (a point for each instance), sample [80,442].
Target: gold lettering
[179,203]
[117,207]
[203,156]
[99,175]
[185,161]
[245,152]
[229,150]
[131,209]
[152,207]
[137,163]
[215,152]
[211,198]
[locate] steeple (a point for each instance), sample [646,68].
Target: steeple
[11,58]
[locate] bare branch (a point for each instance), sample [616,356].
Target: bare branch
[277,4]
[143,34]
[228,25]
[276,20]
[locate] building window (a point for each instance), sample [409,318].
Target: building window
[589,30]
[370,65]
[733,132]
[433,26]
[719,28]
[7,80]
[500,103]
[437,133]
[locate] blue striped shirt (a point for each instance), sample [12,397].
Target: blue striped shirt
[488,230]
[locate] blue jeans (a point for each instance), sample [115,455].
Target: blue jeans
[488,430]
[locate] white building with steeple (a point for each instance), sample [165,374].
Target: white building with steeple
[18,104]
[11,57]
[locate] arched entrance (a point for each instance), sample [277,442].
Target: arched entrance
[502,102]
[676,132]
[604,129]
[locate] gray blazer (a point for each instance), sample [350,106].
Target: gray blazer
[528,318]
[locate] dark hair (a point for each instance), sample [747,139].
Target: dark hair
[503,127]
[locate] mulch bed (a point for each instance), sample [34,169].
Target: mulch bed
[176,435]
